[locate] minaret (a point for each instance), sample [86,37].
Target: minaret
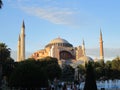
[19,49]
[83,48]
[101,47]
[22,46]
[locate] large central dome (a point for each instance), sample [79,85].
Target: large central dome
[59,42]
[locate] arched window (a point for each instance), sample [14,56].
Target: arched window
[66,55]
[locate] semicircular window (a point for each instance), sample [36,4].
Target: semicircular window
[66,55]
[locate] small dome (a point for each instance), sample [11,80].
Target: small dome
[85,58]
[59,42]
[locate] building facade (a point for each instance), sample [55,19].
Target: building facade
[60,49]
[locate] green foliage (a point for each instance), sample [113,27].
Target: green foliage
[47,61]
[90,82]
[51,67]
[99,72]
[4,52]
[1,4]
[35,74]
[67,73]
[108,65]
[28,75]
[53,71]
[108,70]
[6,61]
[115,67]
[99,69]
[81,70]
[7,67]
[117,58]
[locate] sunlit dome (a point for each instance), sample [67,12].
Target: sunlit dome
[60,42]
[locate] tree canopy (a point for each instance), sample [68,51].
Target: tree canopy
[67,73]
[6,62]
[28,75]
[90,82]
[5,59]
[1,4]
[4,52]
[35,74]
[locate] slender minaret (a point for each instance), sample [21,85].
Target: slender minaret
[101,46]
[83,48]
[19,49]
[22,46]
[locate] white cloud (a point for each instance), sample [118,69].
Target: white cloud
[57,12]
[54,15]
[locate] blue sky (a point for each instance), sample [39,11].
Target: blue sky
[72,20]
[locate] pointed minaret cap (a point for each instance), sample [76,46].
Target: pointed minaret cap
[83,47]
[23,24]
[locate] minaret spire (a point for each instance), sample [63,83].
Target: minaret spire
[83,48]
[23,41]
[101,46]
[23,24]
[21,44]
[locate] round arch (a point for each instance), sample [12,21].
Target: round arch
[66,55]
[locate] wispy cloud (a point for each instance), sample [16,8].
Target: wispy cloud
[57,12]
[50,10]
[54,15]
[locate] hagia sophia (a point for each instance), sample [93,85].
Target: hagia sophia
[58,48]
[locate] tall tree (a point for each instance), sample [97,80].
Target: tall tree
[28,74]
[68,73]
[5,61]
[108,70]
[35,74]
[1,4]
[90,82]
[4,52]
[53,71]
